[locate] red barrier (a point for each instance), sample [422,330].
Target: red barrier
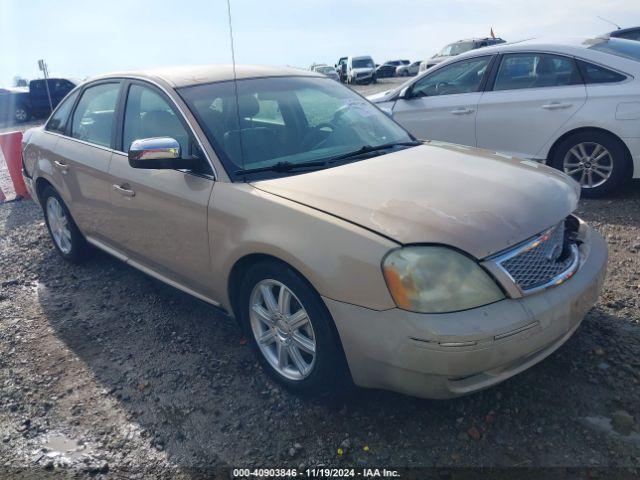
[11,144]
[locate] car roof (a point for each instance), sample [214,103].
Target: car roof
[573,46]
[184,76]
[548,43]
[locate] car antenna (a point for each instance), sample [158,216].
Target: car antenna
[609,21]
[235,83]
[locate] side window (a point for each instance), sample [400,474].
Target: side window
[58,121]
[459,77]
[536,70]
[94,116]
[149,115]
[596,74]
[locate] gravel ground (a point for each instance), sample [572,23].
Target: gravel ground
[105,371]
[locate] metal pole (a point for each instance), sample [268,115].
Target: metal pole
[46,83]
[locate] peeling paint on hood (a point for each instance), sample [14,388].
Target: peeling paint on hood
[471,199]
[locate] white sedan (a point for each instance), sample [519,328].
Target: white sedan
[574,104]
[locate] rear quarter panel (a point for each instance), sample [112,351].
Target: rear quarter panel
[613,107]
[38,151]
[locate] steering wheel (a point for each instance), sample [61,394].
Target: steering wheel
[313,137]
[442,85]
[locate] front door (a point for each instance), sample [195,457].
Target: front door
[533,96]
[160,216]
[442,105]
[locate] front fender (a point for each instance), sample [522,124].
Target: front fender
[341,260]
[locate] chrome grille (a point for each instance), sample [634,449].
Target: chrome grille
[548,259]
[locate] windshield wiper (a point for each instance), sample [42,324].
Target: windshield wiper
[370,149]
[290,166]
[282,167]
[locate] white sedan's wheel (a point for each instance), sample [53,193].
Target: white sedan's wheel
[588,163]
[282,329]
[597,160]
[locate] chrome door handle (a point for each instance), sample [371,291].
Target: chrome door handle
[124,191]
[62,166]
[556,105]
[462,111]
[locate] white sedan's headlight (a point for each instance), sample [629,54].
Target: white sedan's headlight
[432,279]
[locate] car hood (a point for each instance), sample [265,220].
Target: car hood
[363,70]
[474,200]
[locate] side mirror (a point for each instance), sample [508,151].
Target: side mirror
[405,93]
[158,153]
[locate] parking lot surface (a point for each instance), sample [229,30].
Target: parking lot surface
[104,370]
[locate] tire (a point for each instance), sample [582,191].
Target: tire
[575,155]
[21,114]
[71,245]
[323,372]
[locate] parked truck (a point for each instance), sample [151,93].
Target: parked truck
[19,104]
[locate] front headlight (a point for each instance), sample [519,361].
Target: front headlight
[431,279]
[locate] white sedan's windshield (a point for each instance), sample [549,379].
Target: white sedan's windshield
[287,120]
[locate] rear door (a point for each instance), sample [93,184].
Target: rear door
[532,96]
[442,105]
[159,217]
[83,153]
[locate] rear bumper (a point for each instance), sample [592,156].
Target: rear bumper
[447,355]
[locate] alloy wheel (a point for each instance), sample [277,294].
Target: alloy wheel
[282,329]
[589,163]
[59,225]
[21,115]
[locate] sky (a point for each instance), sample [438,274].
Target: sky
[81,38]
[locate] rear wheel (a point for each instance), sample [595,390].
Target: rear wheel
[66,236]
[596,160]
[291,330]
[21,114]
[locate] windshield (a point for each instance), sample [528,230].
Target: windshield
[362,63]
[620,47]
[456,48]
[289,120]
[325,70]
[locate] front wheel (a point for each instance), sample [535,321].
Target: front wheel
[596,160]
[291,330]
[66,236]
